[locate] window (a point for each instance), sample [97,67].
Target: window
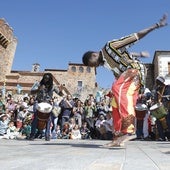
[80,83]
[81,69]
[73,68]
[88,69]
[3,41]
[35,67]
[79,86]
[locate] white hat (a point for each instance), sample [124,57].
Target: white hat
[161,79]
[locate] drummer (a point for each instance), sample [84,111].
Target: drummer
[166,102]
[166,97]
[142,127]
[44,93]
[159,91]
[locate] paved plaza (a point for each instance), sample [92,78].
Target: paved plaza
[83,155]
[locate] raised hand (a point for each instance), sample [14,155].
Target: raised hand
[163,21]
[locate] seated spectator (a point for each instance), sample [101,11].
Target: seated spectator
[58,132]
[75,133]
[12,131]
[21,116]
[2,107]
[108,124]
[28,118]
[85,132]
[100,129]
[65,131]
[11,108]
[25,102]
[26,130]
[3,125]
[71,123]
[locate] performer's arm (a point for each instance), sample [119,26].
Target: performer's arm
[58,90]
[129,40]
[161,23]
[35,88]
[34,91]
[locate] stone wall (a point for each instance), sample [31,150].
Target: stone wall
[78,79]
[150,76]
[8,45]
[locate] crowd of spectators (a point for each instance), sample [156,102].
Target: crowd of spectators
[89,119]
[77,119]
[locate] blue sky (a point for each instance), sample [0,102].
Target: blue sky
[54,33]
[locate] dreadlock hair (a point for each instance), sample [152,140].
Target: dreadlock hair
[49,83]
[86,57]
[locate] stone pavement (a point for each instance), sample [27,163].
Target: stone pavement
[83,155]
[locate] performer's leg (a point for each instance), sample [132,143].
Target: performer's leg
[117,122]
[139,129]
[47,130]
[168,120]
[33,127]
[125,90]
[146,126]
[160,130]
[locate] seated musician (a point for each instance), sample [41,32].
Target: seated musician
[44,93]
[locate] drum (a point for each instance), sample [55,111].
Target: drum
[43,114]
[140,110]
[158,110]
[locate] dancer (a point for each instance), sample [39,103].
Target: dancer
[130,77]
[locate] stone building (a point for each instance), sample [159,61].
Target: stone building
[150,75]
[160,66]
[8,43]
[161,62]
[78,79]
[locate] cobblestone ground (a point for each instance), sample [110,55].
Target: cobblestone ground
[83,155]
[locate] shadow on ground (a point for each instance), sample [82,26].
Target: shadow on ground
[82,145]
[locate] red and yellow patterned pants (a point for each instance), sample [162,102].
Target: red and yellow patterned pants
[125,91]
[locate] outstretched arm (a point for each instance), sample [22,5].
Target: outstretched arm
[59,90]
[128,40]
[161,23]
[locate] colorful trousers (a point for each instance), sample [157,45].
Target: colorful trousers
[125,92]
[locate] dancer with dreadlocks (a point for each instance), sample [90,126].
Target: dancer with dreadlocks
[130,77]
[44,93]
